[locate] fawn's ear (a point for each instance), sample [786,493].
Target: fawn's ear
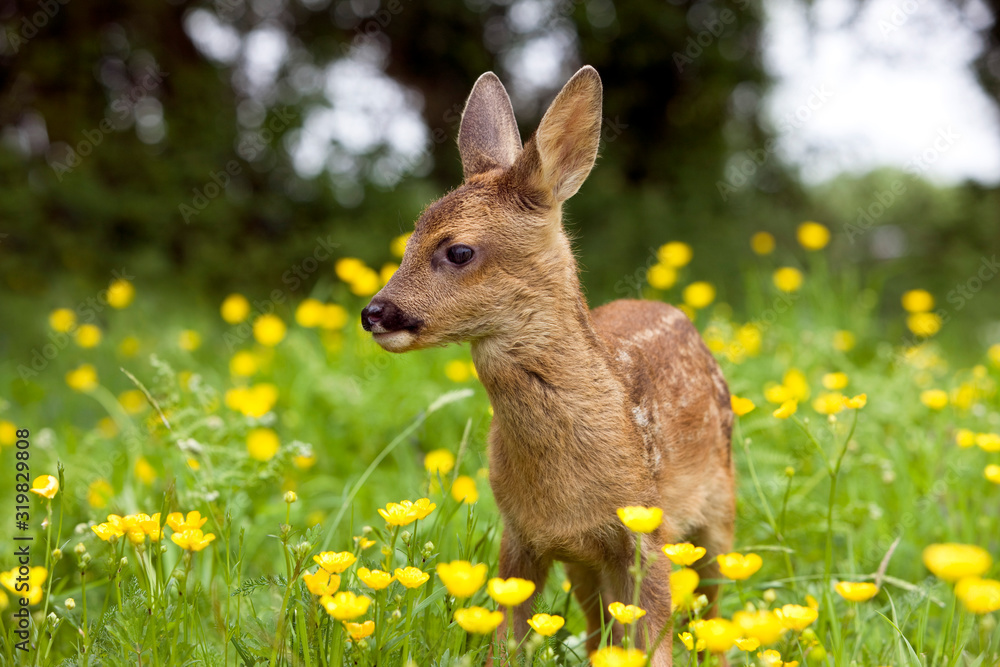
[488,138]
[564,148]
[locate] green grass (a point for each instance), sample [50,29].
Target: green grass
[354,425]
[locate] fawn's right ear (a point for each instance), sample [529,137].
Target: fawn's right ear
[488,138]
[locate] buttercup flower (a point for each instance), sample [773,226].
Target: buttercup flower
[321,582]
[762,243]
[87,336]
[661,277]
[36,577]
[689,642]
[83,378]
[262,444]
[411,577]
[374,579]
[835,381]
[988,442]
[334,317]
[423,507]
[737,566]
[698,295]
[771,658]
[398,245]
[935,399]
[235,308]
[462,578]
[625,614]
[178,522]
[546,625]
[856,402]
[787,409]
[741,406]
[398,514]
[992,473]
[748,643]
[440,461]
[253,401]
[120,293]
[718,634]
[359,631]
[192,539]
[812,235]
[310,313]
[683,554]
[464,490]
[345,606]
[980,596]
[478,620]
[45,486]
[843,340]
[335,562]
[269,330]
[917,301]
[457,370]
[189,340]
[787,279]
[952,562]
[830,403]
[675,254]
[683,583]
[616,656]
[796,617]
[510,592]
[8,433]
[924,324]
[859,591]
[62,320]
[363,542]
[641,519]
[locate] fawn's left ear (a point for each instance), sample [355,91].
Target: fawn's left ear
[488,138]
[562,152]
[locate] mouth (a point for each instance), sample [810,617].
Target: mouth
[399,340]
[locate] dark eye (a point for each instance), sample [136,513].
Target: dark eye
[459,254]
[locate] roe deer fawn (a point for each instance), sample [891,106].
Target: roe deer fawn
[593,410]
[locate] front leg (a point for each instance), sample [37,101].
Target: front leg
[518,560]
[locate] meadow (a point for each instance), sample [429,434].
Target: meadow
[259,483]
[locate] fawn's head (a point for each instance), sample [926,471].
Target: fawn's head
[492,253]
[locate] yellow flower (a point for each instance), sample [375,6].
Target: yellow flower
[8,433]
[992,473]
[741,406]
[335,562]
[843,341]
[917,301]
[398,245]
[345,606]
[698,295]
[411,577]
[796,617]
[951,561]
[830,403]
[737,566]
[129,347]
[374,579]
[178,522]
[365,283]
[359,631]
[787,279]
[462,578]
[255,401]
[189,340]
[62,320]
[269,330]
[120,293]
[546,625]
[363,542]
[994,354]
[935,399]
[675,254]
[625,614]
[243,364]
[762,625]
[321,582]
[398,514]
[689,643]
[440,461]
[762,243]
[988,442]
[304,462]
[771,658]
[386,272]
[132,401]
[616,656]
[856,402]
[262,444]
[478,620]
[150,525]
[192,539]
[99,492]
[334,317]
[87,336]
[660,276]
[641,519]
[748,643]
[422,507]
[683,583]
[835,381]
[45,486]
[464,490]
[718,634]
[310,313]
[510,592]
[108,532]
[457,370]
[83,378]
[683,554]
[856,591]
[796,384]
[980,596]
[36,577]
[813,235]
[4,601]
[787,409]
[348,268]
[235,308]
[924,324]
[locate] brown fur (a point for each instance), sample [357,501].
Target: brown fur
[593,411]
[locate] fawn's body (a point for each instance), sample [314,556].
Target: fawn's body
[593,410]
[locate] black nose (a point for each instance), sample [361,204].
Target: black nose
[372,314]
[386,317]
